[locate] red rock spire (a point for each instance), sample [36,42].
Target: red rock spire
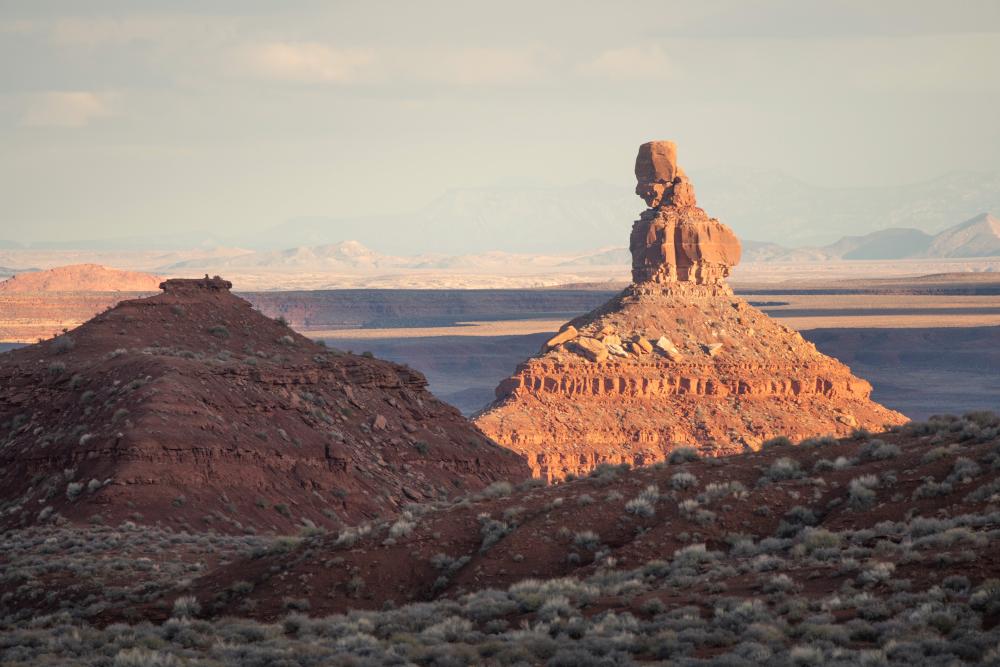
[674,240]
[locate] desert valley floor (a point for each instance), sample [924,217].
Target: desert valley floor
[925,346]
[928,345]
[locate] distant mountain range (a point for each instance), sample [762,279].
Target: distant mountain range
[976,237]
[352,257]
[765,205]
[774,207]
[769,206]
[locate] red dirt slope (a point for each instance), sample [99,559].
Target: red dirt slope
[191,409]
[742,507]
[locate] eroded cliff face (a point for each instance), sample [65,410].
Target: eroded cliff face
[675,360]
[191,409]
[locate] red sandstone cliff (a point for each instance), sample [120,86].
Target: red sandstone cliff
[676,359]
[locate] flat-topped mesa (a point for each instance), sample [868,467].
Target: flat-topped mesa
[674,240]
[188,284]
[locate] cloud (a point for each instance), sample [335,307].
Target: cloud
[65,109]
[319,63]
[630,62]
[474,66]
[306,62]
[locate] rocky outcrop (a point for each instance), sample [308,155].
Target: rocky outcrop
[193,410]
[676,359]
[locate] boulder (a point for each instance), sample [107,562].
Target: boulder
[712,349]
[591,348]
[664,345]
[564,336]
[617,350]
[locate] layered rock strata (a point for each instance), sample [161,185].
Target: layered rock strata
[190,409]
[675,360]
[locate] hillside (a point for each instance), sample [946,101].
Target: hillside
[191,409]
[867,549]
[821,514]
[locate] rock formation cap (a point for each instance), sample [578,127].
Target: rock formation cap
[675,241]
[660,180]
[187,284]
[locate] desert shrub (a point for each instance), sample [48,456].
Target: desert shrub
[683,480]
[683,455]
[802,516]
[779,583]
[693,554]
[186,606]
[821,441]
[956,583]
[986,597]
[348,537]
[587,539]
[877,450]
[817,539]
[498,490]
[606,472]
[403,526]
[492,531]
[63,344]
[861,492]
[936,454]
[877,573]
[777,441]
[983,418]
[783,469]
[985,492]
[73,490]
[140,657]
[716,491]
[640,507]
[219,331]
[932,489]
[964,469]
[644,504]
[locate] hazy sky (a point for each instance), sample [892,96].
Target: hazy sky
[118,118]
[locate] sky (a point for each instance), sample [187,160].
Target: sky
[129,118]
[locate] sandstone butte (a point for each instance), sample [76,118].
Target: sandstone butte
[190,409]
[80,278]
[675,360]
[38,304]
